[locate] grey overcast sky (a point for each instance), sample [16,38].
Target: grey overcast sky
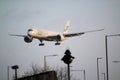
[17,16]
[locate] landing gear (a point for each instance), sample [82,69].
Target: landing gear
[41,44]
[57,43]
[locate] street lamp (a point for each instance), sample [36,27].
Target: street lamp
[98,68]
[107,74]
[45,65]
[83,73]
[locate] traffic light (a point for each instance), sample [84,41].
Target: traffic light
[67,58]
[15,67]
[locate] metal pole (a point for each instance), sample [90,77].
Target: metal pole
[8,72]
[98,68]
[84,75]
[15,67]
[68,71]
[107,74]
[106,47]
[44,63]
[15,74]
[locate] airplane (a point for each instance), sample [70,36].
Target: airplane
[46,35]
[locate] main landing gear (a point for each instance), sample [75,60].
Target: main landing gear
[57,43]
[41,44]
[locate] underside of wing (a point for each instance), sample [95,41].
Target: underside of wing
[78,34]
[73,34]
[52,38]
[57,37]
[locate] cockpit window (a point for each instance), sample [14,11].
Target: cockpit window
[30,30]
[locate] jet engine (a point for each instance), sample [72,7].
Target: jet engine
[58,37]
[27,39]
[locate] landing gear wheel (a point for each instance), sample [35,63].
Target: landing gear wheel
[41,44]
[57,43]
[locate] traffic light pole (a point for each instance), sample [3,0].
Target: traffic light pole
[68,71]
[15,74]
[67,59]
[15,67]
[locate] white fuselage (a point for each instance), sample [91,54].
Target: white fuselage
[44,34]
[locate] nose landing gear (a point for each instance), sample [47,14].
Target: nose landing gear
[57,43]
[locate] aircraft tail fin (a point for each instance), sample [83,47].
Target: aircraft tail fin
[66,27]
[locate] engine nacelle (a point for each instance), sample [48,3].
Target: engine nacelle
[60,38]
[27,39]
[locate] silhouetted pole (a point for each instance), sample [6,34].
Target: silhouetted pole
[15,67]
[8,72]
[84,75]
[107,75]
[106,47]
[44,63]
[68,71]
[98,68]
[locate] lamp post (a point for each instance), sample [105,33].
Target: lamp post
[106,48]
[82,71]
[8,72]
[45,65]
[98,67]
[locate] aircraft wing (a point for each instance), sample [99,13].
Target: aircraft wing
[77,34]
[51,37]
[73,34]
[18,35]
